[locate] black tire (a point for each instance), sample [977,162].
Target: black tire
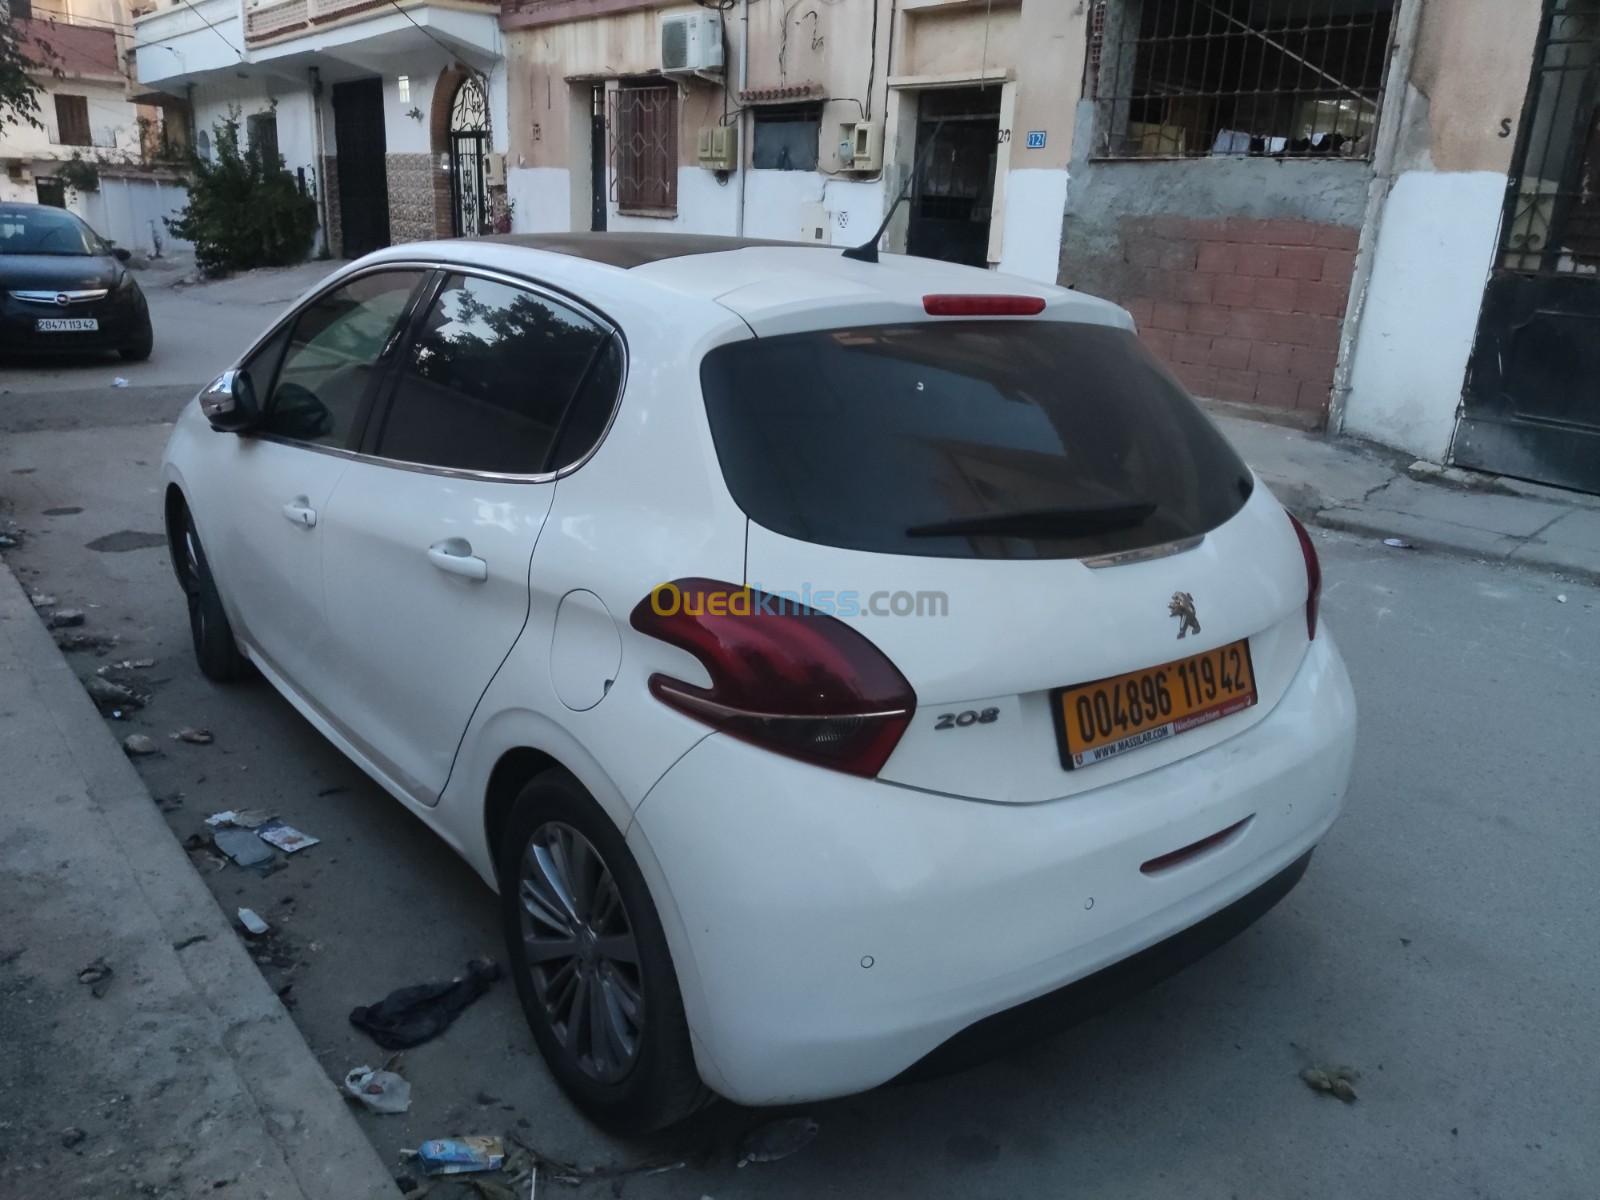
[658,1085]
[140,349]
[214,646]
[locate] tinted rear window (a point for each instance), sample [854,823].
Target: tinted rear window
[1031,432]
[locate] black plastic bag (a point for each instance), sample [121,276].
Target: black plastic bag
[410,1016]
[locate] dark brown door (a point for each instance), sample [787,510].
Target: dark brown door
[363,181]
[1532,402]
[958,130]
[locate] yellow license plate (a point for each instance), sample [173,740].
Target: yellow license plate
[1109,717]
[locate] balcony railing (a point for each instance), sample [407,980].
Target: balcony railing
[275,18]
[269,20]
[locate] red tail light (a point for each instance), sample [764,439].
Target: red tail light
[982,306]
[783,677]
[1313,573]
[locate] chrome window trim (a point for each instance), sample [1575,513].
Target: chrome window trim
[605,323]
[83,296]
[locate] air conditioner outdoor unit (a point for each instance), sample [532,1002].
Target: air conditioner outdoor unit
[691,42]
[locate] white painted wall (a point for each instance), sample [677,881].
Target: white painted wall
[543,199]
[774,200]
[1035,201]
[1435,247]
[130,211]
[177,41]
[295,112]
[113,123]
[403,134]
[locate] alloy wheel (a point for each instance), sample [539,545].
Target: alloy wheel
[581,951]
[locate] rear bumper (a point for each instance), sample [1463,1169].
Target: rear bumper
[1107,987]
[830,933]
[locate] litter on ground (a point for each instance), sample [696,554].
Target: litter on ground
[1336,1081]
[242,818]
[136,745]
[286,837]
[777,1139]
[459,1155]
[381,1091]
[243,846]
[97,976]
[410,1016]
[252,922]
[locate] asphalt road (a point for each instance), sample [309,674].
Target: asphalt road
[1443,944]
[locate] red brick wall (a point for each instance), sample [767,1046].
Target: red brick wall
[1246,311]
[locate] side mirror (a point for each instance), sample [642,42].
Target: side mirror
[230,403]
[121,254]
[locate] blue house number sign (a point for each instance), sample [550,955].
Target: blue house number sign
[1036,139]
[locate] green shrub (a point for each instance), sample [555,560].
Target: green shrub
[243,210]
[80,173]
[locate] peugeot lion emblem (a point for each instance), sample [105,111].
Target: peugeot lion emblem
[1182,607]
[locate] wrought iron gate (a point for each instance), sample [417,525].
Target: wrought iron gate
[1532,402]
[469,146]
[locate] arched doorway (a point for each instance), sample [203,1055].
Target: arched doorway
[469,146]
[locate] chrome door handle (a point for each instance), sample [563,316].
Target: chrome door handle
[455,556]
[299,511]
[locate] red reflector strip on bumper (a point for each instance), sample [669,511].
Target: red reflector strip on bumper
[1194,850]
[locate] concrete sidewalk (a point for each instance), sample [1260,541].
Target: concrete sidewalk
[1345,484]
[185,1076]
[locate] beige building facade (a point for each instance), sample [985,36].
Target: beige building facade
[601,136]
[1305,203]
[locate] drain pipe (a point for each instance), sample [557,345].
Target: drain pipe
[744,83]
[1386,154]
[322,159]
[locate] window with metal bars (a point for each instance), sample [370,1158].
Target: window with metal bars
[644,148]
[72,121]
[1272,78]
[1552,221]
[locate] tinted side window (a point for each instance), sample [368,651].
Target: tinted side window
[487,379]
[262,366]
[591,408]
[333,356]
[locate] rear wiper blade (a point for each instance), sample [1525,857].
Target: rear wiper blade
[1042,522]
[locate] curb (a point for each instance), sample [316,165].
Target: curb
[1460,541]
[298,1108]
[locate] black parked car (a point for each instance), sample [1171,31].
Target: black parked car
[64,288]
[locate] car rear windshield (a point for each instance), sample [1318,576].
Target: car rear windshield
[967,439]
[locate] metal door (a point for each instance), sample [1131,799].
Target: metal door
[1532,401]
[597,159]
[469,146]
[363,180]
[951,203]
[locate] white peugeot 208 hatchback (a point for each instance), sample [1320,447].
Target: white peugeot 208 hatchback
[835,666]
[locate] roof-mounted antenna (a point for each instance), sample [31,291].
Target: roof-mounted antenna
[867,252]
